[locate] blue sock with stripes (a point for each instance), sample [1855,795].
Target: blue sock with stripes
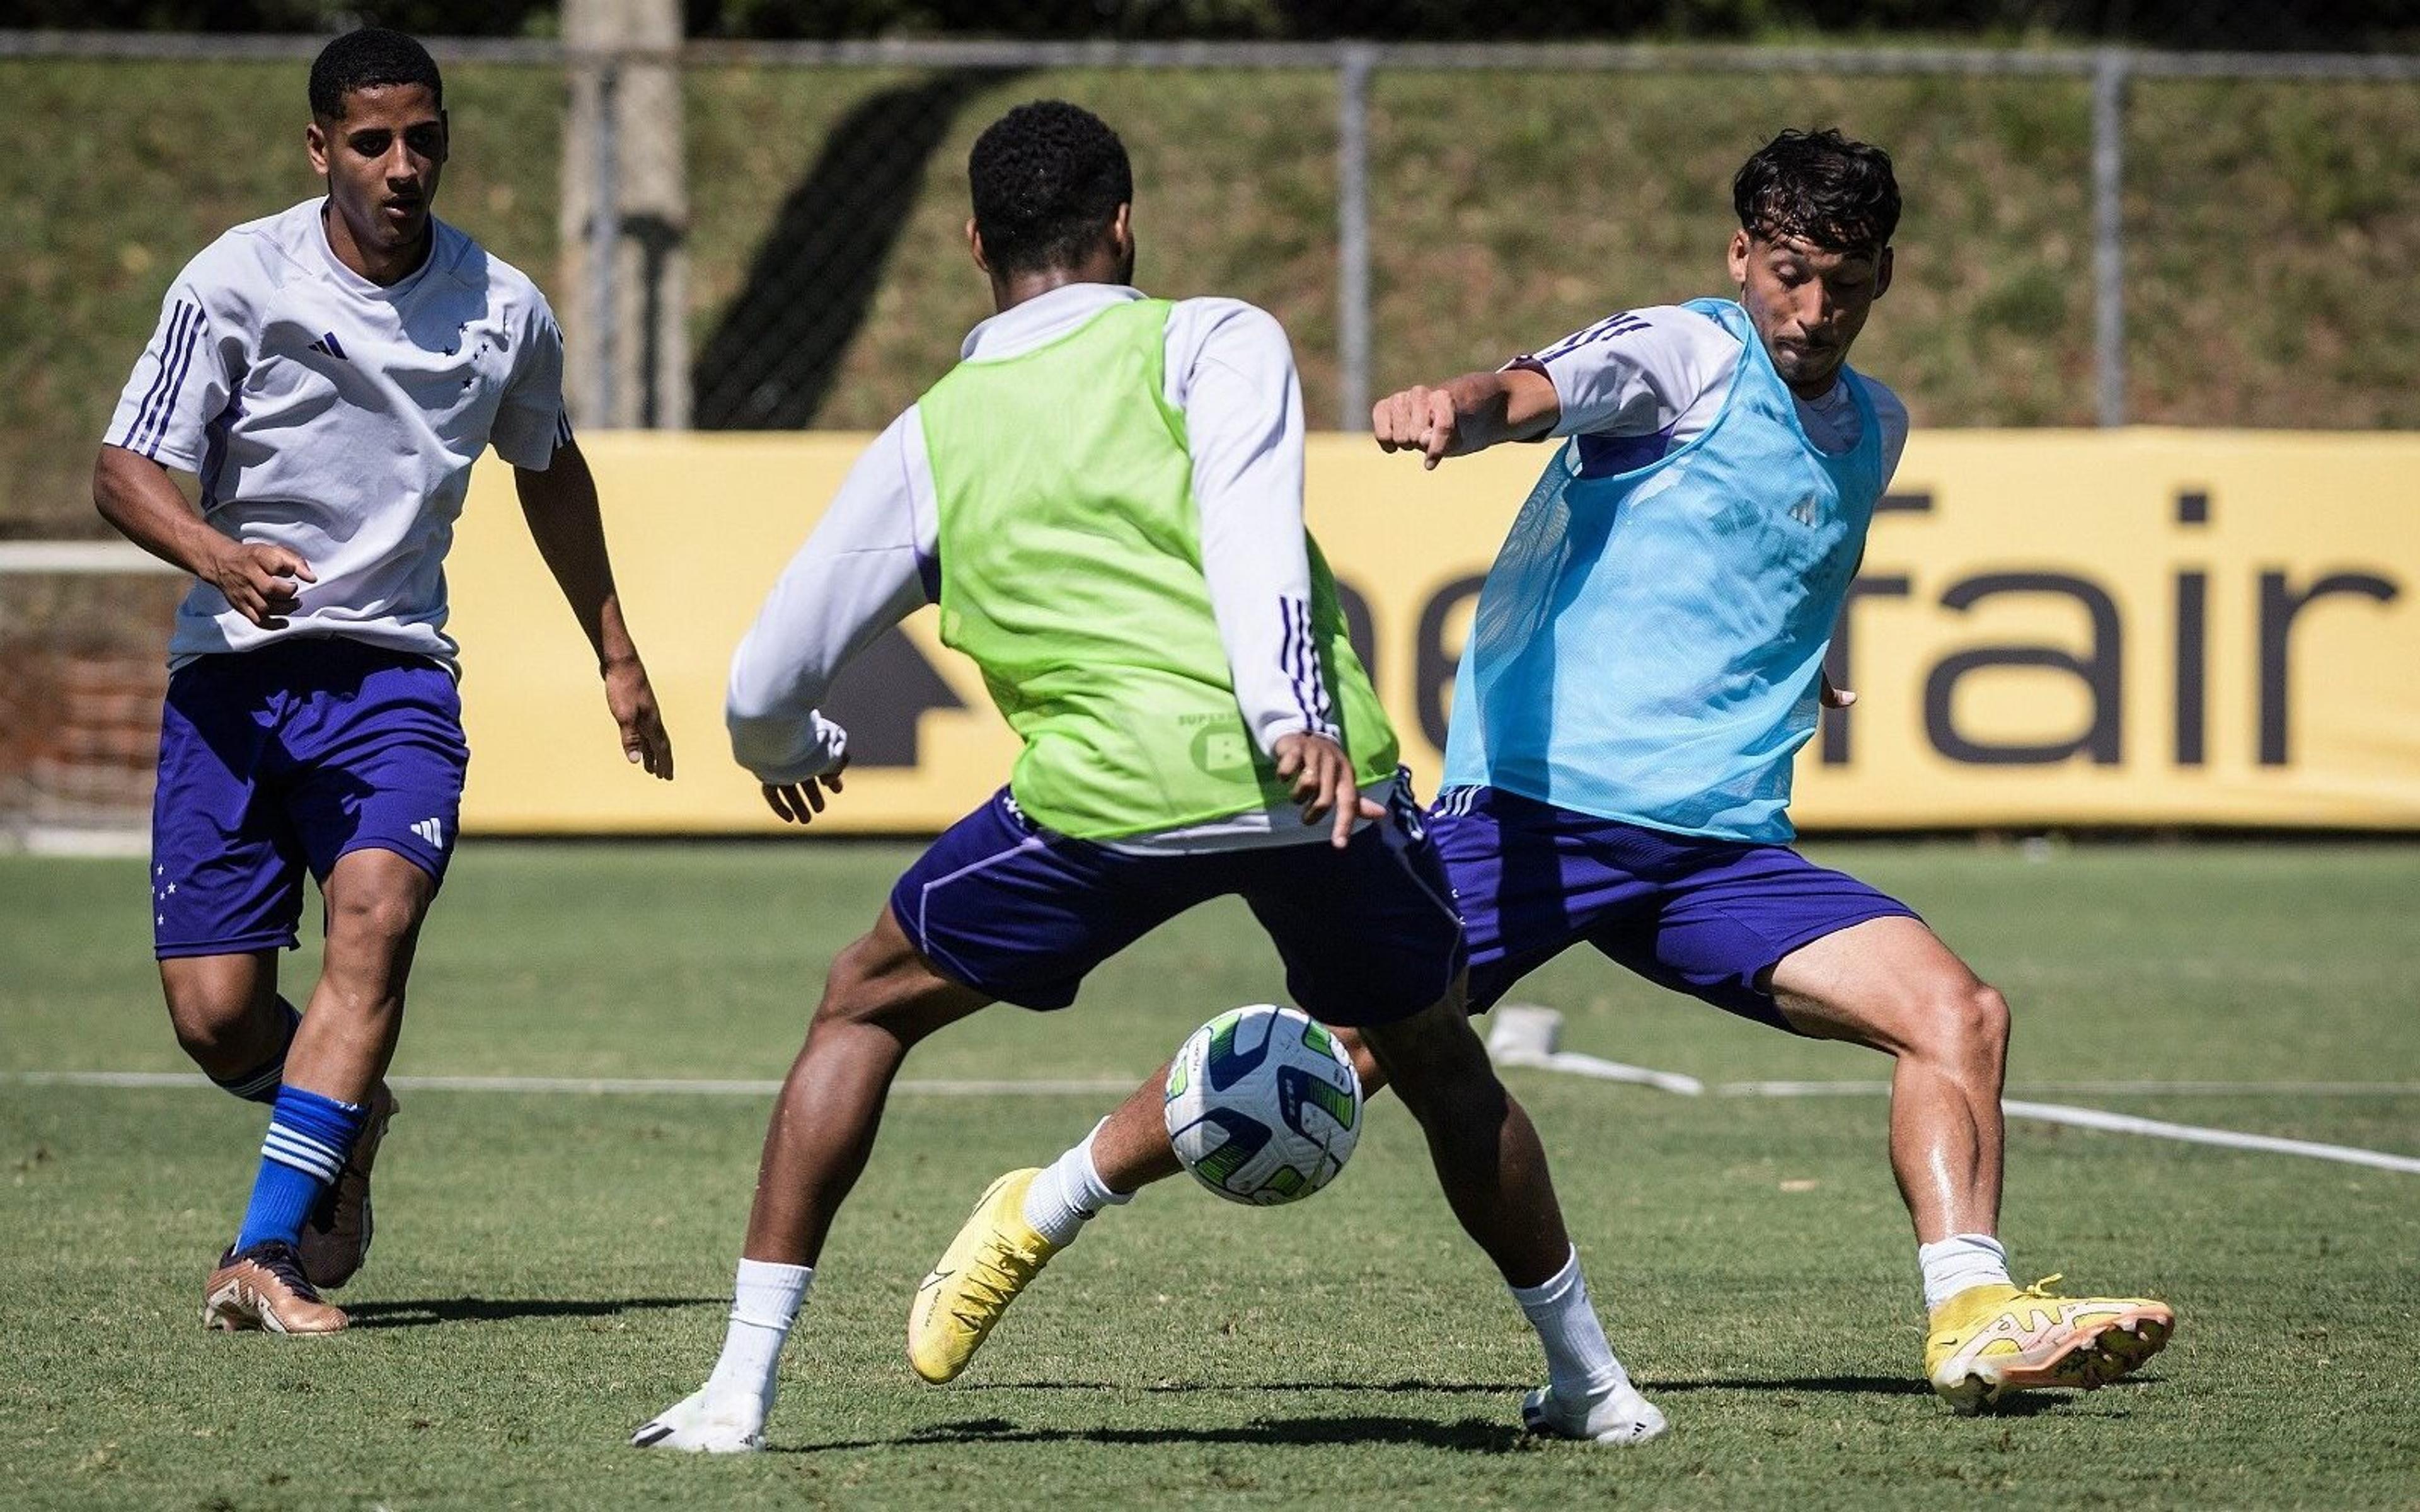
[310,1138]
[260,1084]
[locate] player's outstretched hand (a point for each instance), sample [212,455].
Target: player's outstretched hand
[632,699]
[1419,419]
[1322,779]
[261,582]
[797,803]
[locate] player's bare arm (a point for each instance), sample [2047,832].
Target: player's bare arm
[138,497]
[1467,414]
[858,575]
[560,504]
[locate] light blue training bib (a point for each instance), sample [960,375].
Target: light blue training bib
[1648,644]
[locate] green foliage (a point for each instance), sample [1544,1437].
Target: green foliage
[2191,23]
[425,18]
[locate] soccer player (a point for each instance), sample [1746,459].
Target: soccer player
[331,373]
[1646,658]
[1105,499]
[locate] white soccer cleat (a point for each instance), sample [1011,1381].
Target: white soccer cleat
[727,1425]
[1622,1416]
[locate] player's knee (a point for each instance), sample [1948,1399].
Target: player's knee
[866,986]
[374,916]
[848,987]
[1438,1065]
[1967,1024]
[207,1021]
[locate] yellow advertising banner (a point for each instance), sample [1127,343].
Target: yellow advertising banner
[2137,628]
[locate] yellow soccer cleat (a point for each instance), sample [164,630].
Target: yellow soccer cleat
[982,1271]
[1991,1339]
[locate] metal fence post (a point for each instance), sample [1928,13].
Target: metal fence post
[1353,236]
[604,247]
[2110,69]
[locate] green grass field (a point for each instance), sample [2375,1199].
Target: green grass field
[552,1268]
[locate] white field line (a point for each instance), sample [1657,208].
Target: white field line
[2045,1112]
[1526,1034]
[2101,1088]
[1570,1064]
[2196,1135]
[1573,1064]
[1566,1061]
[588,1085]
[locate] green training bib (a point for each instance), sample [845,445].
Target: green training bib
[1071,573]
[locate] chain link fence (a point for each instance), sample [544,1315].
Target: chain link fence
[768,234]
[1347,185]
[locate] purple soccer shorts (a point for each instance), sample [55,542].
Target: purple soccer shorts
[1022,914]
[1709,917]
[283,760]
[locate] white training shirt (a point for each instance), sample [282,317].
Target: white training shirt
[339,419]
[873,559]
[1639,383]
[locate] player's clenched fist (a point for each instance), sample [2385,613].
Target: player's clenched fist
[1418,418]
[260,582]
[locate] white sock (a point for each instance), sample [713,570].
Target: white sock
[1069,1192]
[764,1302]
[1580,1366]
[1959,1263]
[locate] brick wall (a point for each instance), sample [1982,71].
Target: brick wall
[82,672]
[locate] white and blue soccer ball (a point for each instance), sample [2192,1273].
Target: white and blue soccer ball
[1263,1106]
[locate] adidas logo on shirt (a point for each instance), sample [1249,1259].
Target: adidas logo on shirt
[327,345]
[1804,511]
[431,830]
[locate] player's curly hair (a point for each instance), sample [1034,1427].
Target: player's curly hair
[365,59]
[1047,180]
[1821,187]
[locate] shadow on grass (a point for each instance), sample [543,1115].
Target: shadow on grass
[2021,1404]
[1850,1385]
[434,1311]
[1470,1435]
[2018,1404]
[1254,1388]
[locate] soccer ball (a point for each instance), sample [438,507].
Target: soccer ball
[1263,1106]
